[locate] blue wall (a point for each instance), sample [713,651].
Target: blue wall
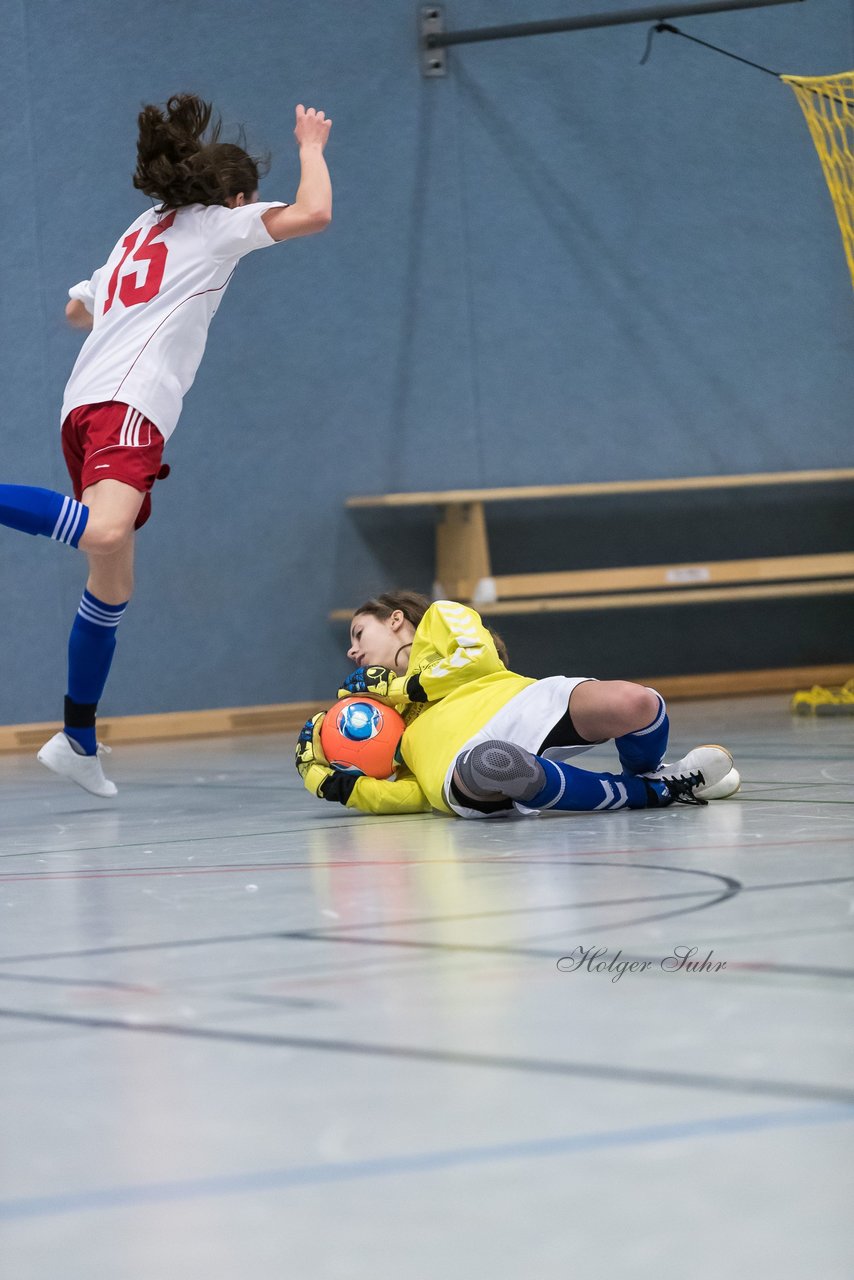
[554,264]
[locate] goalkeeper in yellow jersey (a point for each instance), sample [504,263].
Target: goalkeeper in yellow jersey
[482,741]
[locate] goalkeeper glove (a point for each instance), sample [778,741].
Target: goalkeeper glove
[382,683]
[315,770]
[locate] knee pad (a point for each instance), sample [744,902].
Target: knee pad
[500,769]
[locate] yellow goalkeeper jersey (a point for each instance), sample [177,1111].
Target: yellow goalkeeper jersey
[466,683]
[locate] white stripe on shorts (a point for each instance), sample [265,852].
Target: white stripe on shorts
[123,431]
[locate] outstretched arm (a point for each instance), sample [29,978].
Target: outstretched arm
[312,208]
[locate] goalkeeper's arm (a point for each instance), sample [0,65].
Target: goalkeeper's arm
[466,650]
[401,794]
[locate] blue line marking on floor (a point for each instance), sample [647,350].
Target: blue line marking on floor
[123,1197]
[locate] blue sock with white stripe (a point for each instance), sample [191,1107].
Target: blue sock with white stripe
[582,790]
[91,646]
[643,750]
[43,511]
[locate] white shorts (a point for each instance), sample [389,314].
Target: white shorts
[526,721]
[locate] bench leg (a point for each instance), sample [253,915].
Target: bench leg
[463,570]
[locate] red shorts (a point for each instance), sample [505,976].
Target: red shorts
[112,441]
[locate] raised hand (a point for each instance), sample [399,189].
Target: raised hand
[312,127]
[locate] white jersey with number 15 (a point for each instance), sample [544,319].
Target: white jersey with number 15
[152,303]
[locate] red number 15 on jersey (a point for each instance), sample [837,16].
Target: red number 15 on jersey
[133,290]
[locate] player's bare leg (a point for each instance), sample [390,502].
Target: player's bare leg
[635,717]
[113,509]
[603,709]
[111,574]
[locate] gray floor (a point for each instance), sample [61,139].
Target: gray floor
[246,1034]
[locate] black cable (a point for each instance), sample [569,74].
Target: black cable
[666,26]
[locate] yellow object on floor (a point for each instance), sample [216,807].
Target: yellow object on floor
[820,701]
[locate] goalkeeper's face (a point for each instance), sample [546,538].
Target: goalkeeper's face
[376,642]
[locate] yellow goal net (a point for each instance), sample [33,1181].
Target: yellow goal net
[828,104]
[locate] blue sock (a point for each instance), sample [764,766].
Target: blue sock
[643,750]
[43,511]
[91,646]
[583,790]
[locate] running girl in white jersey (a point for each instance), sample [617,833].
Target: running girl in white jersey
[148,308]
[481,740]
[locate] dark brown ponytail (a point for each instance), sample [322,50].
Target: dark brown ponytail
[177,165]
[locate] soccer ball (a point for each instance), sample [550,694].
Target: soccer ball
[359,735]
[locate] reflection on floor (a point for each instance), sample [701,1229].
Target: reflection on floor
[248,1034]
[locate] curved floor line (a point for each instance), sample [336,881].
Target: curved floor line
[121,1197]
[600,1071]
[320,932]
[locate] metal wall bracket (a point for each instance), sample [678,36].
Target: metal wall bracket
[431,23]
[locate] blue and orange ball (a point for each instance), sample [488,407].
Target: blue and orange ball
[361,736]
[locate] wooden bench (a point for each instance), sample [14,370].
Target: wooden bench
[463,565]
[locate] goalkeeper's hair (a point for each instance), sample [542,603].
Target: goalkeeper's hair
[180,159]
[413,606]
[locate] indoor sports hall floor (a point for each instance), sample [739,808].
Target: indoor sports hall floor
[247,1034]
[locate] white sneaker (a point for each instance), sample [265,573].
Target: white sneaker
[728,785]
[699,776]
[59,756]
